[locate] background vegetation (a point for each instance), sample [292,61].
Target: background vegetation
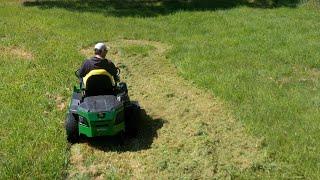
[264,62]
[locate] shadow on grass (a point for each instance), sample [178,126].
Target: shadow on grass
[147,132]
[152,8]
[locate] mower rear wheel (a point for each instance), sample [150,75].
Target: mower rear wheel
[72,128]
[121,138]
[132,118]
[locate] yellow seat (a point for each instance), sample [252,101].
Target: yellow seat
[98,72]
[99,82]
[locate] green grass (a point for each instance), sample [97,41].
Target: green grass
[266,64]
[263,62]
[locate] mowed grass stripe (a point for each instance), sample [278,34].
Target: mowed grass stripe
[186,132]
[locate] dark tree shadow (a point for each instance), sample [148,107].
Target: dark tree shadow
[147,132]
[151,8]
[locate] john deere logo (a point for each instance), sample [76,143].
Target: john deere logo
[101,115]
[101,129]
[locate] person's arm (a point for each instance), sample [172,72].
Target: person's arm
[83,69]
[114,71]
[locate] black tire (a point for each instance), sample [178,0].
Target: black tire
[132,119]
[72,128]
[121,138]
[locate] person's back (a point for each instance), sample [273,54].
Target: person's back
[98,63]
[95,63]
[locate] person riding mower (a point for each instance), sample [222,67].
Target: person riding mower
[100,106]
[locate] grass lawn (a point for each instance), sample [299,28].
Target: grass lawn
[264,63]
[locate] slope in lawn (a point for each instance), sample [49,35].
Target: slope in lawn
[186,132]
[264,62]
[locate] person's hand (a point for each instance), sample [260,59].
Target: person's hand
[117,78]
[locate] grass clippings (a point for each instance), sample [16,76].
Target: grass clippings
[199,139]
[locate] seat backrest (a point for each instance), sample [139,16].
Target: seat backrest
[98,82]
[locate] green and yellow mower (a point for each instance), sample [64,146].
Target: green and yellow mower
[100,107]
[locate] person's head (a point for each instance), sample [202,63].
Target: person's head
[101,49]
